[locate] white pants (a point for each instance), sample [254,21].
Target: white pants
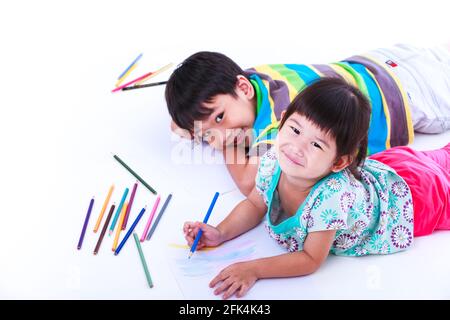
[425,76]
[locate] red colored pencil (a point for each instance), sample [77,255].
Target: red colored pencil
[124,225]
[131,82]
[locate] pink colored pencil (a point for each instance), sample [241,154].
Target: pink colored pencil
[124,225]
[131,82]
[149,222]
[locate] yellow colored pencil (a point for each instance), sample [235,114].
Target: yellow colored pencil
[105,204]
[125,75]
[155,73]
[119,228]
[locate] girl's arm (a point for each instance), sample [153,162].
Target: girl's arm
[239,277]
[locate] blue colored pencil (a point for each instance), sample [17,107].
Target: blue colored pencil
[130,231]
[119,210]
[129,67]
[205,220]
[86,220]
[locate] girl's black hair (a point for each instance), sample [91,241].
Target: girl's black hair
[197,80]
[342,111]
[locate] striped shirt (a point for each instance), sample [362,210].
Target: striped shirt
[276,85]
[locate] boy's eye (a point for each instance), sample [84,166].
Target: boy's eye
[296,131]
[219,118]
[316,145]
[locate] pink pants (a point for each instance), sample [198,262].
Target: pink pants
[427,174]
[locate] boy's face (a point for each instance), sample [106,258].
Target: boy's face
[231,120]
[304,151]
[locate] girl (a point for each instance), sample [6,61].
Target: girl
[320,194]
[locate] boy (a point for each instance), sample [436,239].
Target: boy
[210,98]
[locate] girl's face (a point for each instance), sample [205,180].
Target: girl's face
[304,151]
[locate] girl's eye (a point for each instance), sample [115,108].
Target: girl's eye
[296,131]
[316,145]
[219,118]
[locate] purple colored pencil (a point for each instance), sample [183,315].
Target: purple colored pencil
[105,226]
[86,221]
[125,219]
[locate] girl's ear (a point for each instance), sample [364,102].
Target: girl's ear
[243,85]
[341,163]
[282,114]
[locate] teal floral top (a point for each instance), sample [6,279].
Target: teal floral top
[371,216]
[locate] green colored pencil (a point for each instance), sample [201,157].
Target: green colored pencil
[135,174]
[144,264]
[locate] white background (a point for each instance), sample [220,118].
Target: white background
[59,122]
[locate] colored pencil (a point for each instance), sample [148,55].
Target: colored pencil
[124,225]
[134,174]
[86,221]
[205,220]
[105,204]
[131,82]
[118,211]
[149,222]
[144,85]
[119,228]
[160,70]
[122,75]
[159,217]
[127,235]
[144,263]
[105,226]
[126,75]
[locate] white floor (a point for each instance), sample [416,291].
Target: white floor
[60,123]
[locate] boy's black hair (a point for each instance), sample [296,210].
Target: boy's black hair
[339,109]
[197,80]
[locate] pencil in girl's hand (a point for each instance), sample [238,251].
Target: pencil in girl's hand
[133,192]
[105,204]
[159,217]
[119,228]
[144,263]
[119,210]
[124,240]
[134,174]
[86,221]
[205,220]
[149,222]
[105,226]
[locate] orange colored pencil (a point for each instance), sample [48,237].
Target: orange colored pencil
[105,204]
[119,228]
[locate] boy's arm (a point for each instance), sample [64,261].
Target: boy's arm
[242,168]
[245,216]
[183,133]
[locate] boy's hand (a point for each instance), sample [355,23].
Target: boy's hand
[237,278]
[211,236]
[183,133]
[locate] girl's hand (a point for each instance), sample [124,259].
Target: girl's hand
[211,236]
[237,278]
